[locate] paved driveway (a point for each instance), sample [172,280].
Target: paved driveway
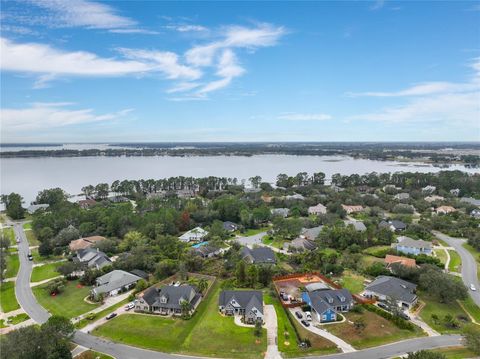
[469,265]
[250,241]
[272,330]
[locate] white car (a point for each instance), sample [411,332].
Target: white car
[130,306]
[472,287]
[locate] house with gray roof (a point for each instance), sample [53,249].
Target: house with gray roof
[207,251]
[358,225]
[259,255]
[245,303]
[36,207]
[407,245]
[281,212]
[300,244]
[399,290]
[311,233]
[327,303]
[194,235]
[393,225]
[168,300]
[92,258]
[230,226]
[114,282]
[472,201]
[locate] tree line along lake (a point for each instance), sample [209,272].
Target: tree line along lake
[28,176]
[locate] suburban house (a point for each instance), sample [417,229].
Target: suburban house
[399,290]
[311,233]
[259,255]
[168,300]
[472,201]
[87,203]
[92,258]
[246,303]
[207,251]
[392,261]
[402,196]
[352,209]
[282,212]
[266,198]
[230,226]
[326,303]
[114,282]
[475,213]
[140,273]
[358,225]
[83,243]
[300,244]
[429,189]
[393,225]
[251,190]
[336,188]
[295,197]
[118,199]
[317,210]
[455,192]
[434,198]
[445,210]
[35,207]
[194,235]
[408,245]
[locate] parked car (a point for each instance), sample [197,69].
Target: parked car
[30,257]
[308,316]
[305,323]
[299,315]
[18,240]
[382,305]
[111,316]
[403,315]
[130,306]
[472,287]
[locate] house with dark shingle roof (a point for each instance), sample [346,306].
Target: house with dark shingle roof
[207,251]
[393,225]
[326,303]
[399,290]
[92,258]
[246,303]
[230,226]
[358,225]
[259,255]
[167,300]
[300,244]
[114,282]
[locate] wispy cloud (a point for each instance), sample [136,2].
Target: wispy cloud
[51,115]
[452,103]
[187,28]
[290,116]
[227,70]
[377,5]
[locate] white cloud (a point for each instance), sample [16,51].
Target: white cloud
[304,117]
[377,5]
[187,28]
[227,69]
[133,31]
[183,86]
[51,115]
[456,104]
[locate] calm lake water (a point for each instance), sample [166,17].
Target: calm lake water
[28,176]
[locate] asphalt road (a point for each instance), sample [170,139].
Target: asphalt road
[469,265]
[28,302]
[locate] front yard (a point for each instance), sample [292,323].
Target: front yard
[377,330]
[32,238]
[440,310]
[45,271]
[69,303]
[10,235]
[13,263]
[8,300]
[207,333]
[455,261]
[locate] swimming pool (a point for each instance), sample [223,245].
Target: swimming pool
[198,245]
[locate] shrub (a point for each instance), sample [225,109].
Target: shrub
[399,322]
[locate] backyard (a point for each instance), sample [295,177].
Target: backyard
[199,335]
[351,281]
[45,271]
[377,330]
[69,303]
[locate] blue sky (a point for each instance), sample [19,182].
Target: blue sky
[91,71]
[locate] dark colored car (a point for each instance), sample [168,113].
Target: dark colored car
[30,257]
[110,316]
[304,322]
[382,305]
[299,315]
[403,316]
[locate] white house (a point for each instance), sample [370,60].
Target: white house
[194,235]
[318,209]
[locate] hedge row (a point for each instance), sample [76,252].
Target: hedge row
[399,322]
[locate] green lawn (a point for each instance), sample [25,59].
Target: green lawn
[440,253]
[82,323]
[352,281]
[18,318]
[37,258]
[440,309]
[32,238]
[8,301]
[9,233]
[2,323]
[473,309]
[378,331]
[90,354]
[13,263]
[455,261]
[475,254]
[456,352]
[27,226]
[207,333]
[274,242]
[45,271]
[69,303]
[376,249]
[253,231]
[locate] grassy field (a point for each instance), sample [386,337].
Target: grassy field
[378,331]
[455,262]
[375,249]
[9,233]
[8,301]
[274,242]
[473,309]
[31,238]
[18,318]
[252,232]
[456,352]
[475,254]
[27,226]
[13,263]
[440,253]
[45,271]
[440,309]
[352,281]
[69,303]
[37,258]
[207,333]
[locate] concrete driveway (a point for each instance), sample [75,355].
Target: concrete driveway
[250,241]
[272,330]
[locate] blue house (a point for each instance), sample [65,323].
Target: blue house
[407,245]
[326,303]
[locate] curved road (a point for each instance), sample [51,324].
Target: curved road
[469,265]
[120,351]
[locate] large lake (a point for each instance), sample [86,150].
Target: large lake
[28,176]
